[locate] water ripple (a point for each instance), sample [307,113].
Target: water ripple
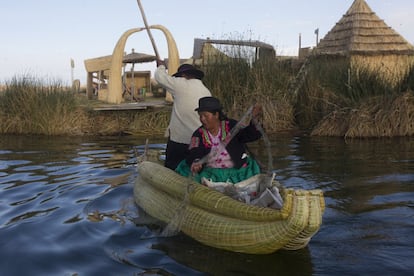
[67,208]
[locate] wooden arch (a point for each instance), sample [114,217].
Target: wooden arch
[115,78]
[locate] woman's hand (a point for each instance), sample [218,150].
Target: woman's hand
[257,111]
[196,167]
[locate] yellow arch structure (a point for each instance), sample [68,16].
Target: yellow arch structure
[115,78]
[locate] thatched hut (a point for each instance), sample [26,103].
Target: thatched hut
[364,41]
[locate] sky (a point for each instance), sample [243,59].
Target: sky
[39,38]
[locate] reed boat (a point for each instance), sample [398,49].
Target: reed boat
[217,220]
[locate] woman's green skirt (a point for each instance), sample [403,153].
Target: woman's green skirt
[231,175]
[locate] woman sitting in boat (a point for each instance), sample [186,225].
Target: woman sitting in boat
[214,153]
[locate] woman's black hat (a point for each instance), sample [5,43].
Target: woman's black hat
[208,104]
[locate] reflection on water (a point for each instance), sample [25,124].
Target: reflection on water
[220,262]
[66,208]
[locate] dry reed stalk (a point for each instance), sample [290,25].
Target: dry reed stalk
[381,118]
[390,69]
[151,122]
[377,117]
[403,114]
[334,124]
[278,115]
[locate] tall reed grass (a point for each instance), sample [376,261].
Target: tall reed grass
[354,102]
[336,98]
[333,100]
[31,106]
[239,82]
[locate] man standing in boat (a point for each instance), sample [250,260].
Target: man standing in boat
[186,88]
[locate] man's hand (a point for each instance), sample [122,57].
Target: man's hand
[160,62]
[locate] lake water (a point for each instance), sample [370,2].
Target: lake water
[66,208]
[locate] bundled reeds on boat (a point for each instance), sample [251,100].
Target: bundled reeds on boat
[217,220]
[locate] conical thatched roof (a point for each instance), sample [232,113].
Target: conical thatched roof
[361,31]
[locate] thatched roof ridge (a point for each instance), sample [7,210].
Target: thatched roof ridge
[361,31]
[138,58]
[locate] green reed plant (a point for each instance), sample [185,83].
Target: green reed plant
[407,84]
[353,84]
[30,106]
[331,85]
[240,81]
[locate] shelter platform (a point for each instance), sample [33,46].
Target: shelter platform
[133,105]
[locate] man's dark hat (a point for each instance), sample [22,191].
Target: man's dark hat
[188,69]
[208,104]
